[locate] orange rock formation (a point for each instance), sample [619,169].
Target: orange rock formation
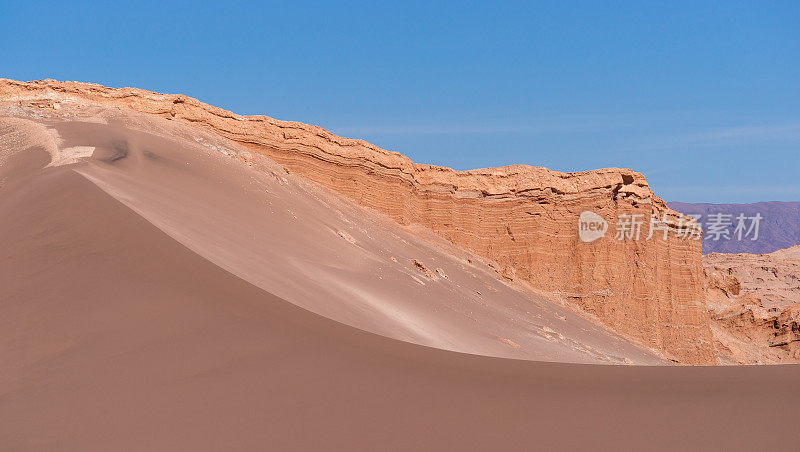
[523,218]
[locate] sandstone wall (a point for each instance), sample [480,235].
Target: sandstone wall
[523,218]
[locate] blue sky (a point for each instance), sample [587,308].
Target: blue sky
[703,98]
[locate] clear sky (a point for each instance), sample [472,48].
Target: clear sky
[703,98]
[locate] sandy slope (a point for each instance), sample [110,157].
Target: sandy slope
[152,300]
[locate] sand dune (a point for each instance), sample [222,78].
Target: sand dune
[309,247]
[161,295]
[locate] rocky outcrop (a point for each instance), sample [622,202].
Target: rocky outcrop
[754,303]
[774,277]
[524,219]
[787,325]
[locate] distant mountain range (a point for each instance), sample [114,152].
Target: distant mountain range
[778,228]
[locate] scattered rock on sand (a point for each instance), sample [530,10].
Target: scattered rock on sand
[425,270]
[346,236]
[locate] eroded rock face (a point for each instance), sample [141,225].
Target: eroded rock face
[788,329]
[523,218]
[772,277]
[754,303]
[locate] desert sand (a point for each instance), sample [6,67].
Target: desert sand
[162,289]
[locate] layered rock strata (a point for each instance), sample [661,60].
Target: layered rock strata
[524,219]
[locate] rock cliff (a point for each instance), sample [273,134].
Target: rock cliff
[524,219]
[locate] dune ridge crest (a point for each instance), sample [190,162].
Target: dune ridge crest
[521,217]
